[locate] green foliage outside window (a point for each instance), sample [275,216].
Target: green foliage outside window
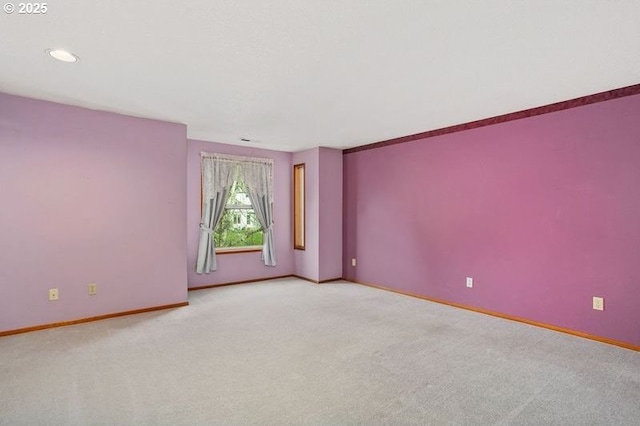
[238,226]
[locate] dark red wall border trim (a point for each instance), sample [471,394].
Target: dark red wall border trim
[558,106]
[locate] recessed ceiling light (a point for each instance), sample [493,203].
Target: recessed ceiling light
[62,55]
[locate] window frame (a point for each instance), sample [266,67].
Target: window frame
[232,250]
[299,206]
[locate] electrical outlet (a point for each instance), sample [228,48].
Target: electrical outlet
[53,294]
[469,282]
[598,303]
[93,289]
[353,262]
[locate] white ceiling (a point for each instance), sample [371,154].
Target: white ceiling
[295,74]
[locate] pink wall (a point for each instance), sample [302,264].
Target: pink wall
[88,196]
[307,262]
[542,212]
[240,266]
[330,213]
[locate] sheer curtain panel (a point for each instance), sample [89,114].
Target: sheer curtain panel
[217,178]
[258,176]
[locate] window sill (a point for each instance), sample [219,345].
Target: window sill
[234,250]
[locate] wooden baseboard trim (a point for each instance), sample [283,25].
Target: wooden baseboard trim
[505,316]
[204,287]
[330,280]
[91,319]
[306,279]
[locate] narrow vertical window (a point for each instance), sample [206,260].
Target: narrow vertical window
[298,207]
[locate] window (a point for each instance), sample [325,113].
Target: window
[238,227]
[237,208]
[298,207]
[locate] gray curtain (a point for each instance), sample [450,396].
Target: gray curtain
[258,178]
[264,213]
[212,211]
[217,178]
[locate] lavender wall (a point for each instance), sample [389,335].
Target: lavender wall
[330,214]
[307,262]
[541,212]
[240,266]
[88,196]
[322,257]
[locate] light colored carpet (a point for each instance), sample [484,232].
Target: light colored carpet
[291,352]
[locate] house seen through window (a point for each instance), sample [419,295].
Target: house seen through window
[238,226]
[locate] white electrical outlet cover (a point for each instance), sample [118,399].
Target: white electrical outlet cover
[598,303]
[53,294]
